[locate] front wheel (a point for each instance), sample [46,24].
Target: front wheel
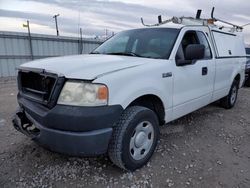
[134,139]
[229,101]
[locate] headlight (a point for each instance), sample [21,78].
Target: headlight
[83,94]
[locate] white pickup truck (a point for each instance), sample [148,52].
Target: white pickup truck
[114,99]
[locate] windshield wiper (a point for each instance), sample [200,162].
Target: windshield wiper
[95,52]
[125,54]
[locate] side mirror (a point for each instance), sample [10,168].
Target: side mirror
[193,52]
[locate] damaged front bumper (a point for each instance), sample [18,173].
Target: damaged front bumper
[76,131]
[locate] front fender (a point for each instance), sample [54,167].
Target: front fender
[126,94]
[127,85]
[125,98]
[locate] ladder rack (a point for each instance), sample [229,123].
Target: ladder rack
[196,21]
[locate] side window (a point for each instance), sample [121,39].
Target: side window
[203,40]
[193,37]
[189,38]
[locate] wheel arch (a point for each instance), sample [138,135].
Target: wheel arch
[153,102]
[239,76]
[238,79]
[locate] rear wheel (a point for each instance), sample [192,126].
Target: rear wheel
[134,138]
[230,100]
[247,83]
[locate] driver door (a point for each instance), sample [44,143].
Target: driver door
[193,83]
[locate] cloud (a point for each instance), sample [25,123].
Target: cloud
[96,15]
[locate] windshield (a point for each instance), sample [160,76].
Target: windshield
[148,43]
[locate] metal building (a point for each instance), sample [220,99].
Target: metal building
[17,48]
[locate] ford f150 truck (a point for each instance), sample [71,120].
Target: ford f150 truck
[247,73]
[114,99]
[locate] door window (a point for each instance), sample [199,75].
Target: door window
[203,40]
[193,37]
[190,37]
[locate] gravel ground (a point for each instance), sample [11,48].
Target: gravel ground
[208,148]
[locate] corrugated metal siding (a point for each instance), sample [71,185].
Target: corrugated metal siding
[15,49]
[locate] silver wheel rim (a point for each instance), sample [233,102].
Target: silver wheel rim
[233,95]
[141,140]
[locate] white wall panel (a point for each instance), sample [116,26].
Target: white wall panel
[15,49]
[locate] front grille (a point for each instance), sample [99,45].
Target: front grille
[37,86]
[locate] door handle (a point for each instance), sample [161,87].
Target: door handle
[204,71]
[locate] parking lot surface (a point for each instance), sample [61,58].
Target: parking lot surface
[208,148]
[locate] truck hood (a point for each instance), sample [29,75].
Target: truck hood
[88,67]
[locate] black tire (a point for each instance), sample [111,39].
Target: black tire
[119,147]
[247,83]
[228,102]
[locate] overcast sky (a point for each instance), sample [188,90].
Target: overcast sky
[94,16]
